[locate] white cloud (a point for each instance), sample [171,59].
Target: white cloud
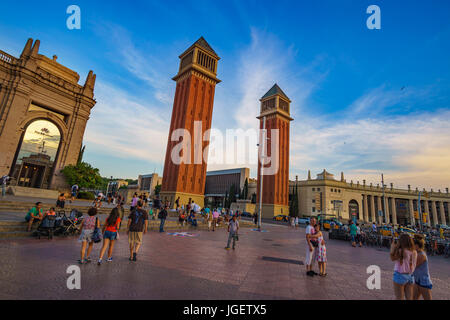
[408,149]
[125,128]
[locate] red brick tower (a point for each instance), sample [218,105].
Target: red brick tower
[193,105]
[275,108]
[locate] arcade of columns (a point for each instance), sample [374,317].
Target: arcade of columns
[437,205]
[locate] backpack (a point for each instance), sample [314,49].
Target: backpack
[137,215]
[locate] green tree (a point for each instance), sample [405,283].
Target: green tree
[158,189]
[245,190]
[232,195]
[293,208]
[225,200]
[84,175]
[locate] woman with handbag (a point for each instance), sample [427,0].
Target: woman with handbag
[88,226]
[110,234]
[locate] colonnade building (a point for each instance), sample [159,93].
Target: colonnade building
[365,202]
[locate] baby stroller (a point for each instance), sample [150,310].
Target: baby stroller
[70,225]
[47,227]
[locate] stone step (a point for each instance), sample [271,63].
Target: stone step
[17,229]
[14,234]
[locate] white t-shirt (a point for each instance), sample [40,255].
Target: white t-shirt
[309,230]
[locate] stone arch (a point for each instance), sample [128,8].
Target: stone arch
[353,209]
[39,160]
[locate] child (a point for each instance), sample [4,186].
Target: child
[110,234]
[50,212]
[87,230]
[405,256]
[321,252]
[423,284]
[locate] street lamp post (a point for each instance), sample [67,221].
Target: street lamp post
[419,209]
[384,198]
[261,174]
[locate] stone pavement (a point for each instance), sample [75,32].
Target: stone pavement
[171,267]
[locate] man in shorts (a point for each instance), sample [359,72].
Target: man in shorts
[137,227]
[310,249]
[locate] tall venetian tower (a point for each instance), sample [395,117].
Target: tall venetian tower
[275,110]
[192,107]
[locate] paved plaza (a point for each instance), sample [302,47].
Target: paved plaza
[171,267]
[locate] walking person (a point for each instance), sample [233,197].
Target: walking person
[4,180]
[233,228]
[311,245]
[296,222]
[87,231]
[137,227]
[405,256]
[353,232]
[110,233]
[209,218]
[177,203]
[121,212]
[216,215]
[321,252]
[156,206]
[422,279]
[358,235]
[134,202]
[162,216]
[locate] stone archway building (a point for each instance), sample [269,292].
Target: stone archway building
[34,87]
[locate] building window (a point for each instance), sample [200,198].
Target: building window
[314,189]
[339,190]
[313,209]
[313,200]
[318,189]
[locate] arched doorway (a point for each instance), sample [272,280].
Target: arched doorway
[353,210]
[36,154]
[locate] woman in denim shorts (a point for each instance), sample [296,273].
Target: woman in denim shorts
[405,256]
[110,229]
[422,279]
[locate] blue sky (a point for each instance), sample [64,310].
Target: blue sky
[364,101]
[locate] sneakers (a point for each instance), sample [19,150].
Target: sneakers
[227,248]
[314,273]
[99,262]
[233,248]
[310,273]
[80,261]
[87,260]
[109,259]
[134,256]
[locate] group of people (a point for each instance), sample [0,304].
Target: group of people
[411,273]
[316,250]
[136,227]
[411,276]
[36,214]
